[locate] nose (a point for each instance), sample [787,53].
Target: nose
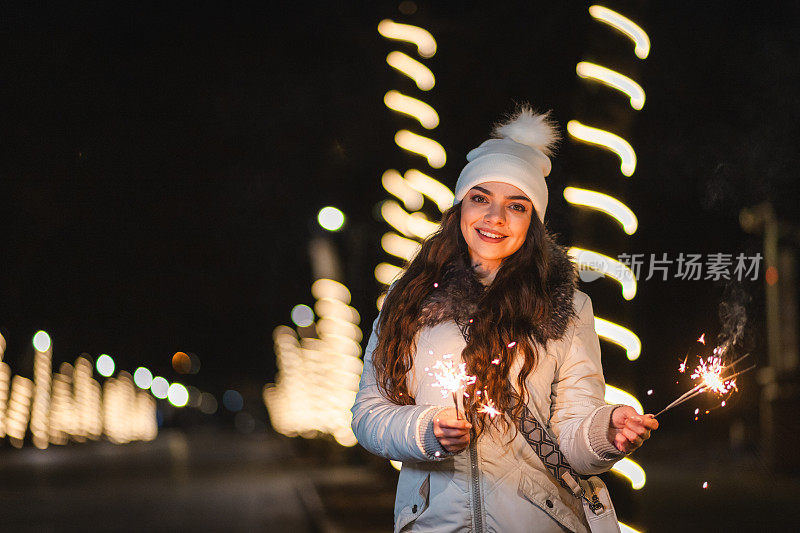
[495,214]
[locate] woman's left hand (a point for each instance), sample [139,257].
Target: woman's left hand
[628,429]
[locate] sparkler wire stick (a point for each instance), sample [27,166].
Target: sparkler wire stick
[455,401]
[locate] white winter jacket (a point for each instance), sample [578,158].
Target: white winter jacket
[494,485]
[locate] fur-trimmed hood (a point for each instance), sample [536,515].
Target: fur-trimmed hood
[457,296]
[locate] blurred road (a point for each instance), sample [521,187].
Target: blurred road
[222,481]
[181,482]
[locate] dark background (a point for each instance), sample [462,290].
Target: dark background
[162,163]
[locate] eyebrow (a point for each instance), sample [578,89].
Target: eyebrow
[518,197]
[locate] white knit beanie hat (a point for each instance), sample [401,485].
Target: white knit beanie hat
[518,155]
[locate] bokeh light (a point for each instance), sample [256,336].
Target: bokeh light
[159,387]
[208,404]
[302,315]
[178,395]
[330,218]
[232,401]
[143,378]
[41,341]
[104,365]
[194,396]
[181,363]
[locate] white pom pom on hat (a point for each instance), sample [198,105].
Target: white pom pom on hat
[519,156]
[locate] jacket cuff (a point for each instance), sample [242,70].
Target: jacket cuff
[426,439]
[598,435]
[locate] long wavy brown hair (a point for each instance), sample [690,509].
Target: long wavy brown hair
[507,313]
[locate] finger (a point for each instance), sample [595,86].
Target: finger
[650,422]
[454,441]
[639,429]
[622,443]
[454,433]
[632,436]
[453,423]
[452,445]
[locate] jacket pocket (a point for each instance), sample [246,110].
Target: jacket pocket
[416,504]
[536,491]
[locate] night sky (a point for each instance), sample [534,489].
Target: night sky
[162,164]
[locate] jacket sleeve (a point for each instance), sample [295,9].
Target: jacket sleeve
[579,416]
[398,432]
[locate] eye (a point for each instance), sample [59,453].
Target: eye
[478,198]
[518,207]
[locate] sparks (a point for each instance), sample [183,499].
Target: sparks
[709,372]
[489,408]
[650,392]
[722,404]
[450,378]
[435,285]
[495,361]
[702,338]
[512,344]
[705,484]
[682,366]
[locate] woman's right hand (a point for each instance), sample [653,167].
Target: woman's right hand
[452,433]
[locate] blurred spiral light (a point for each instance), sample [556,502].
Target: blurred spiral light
[70,405]
[613,207]
[318,377]
[412,224]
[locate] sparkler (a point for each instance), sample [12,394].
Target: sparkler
[709,371]
[451,379]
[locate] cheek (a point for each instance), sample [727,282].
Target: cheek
[467,216]
[521,233]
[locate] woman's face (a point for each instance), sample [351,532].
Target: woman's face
[494,221]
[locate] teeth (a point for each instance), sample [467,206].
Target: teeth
[491,235]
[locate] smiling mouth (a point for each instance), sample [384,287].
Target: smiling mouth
[490,236]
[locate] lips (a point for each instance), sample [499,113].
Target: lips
[489,236]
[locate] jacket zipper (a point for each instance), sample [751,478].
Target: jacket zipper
[477,505]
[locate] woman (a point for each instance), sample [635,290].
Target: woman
[492,290]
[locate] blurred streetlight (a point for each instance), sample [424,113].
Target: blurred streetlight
[177,395]
[143,378]
[159,387]
[41,341]
[302,315]
[330,218]
[105,365]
